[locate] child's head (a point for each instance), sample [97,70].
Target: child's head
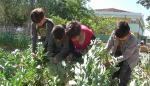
[73,30]
[37,16]
[123,31]
[58,32]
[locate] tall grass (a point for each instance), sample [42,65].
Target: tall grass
[10,40]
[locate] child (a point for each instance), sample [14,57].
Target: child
[58,46]
[143,48]
[124,47]
[41,29]
[80,37]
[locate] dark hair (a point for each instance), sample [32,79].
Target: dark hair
[123,29]
[58,32]
[37,15]
[73,29]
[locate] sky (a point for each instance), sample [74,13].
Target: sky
[127,5]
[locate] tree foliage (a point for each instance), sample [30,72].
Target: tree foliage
[100,25]
[66,9]
[16,12]
[145,3]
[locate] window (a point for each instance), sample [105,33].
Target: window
[133,21]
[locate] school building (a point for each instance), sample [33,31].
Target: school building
[135,20]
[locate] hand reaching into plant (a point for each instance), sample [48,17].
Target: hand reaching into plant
[34,55]
[69,58]
[110,62]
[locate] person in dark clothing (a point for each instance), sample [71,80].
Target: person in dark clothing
[123,46]
[58,46]
[58,49]
[41,29]
[80,37]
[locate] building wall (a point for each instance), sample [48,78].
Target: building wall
[135,19]
[135,26]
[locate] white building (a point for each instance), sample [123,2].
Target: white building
[135,20]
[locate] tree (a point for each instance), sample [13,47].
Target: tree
[148,25]
[100,25]
[17,12]
[145,3]
[66,9]
[14,12]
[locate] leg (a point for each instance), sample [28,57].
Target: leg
[125,73]
[116,74]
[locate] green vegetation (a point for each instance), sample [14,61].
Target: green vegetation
[99,25]
[9,40]
[16,12]
[19,68]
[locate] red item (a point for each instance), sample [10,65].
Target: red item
[88,35]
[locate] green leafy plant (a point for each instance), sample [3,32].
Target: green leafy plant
[20,68]
[10,40]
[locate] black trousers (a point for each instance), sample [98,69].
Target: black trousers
[123,74]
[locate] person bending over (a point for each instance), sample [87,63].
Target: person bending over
[123,46]
[80,37]
[41,29]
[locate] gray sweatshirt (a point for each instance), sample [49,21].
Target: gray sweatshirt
[130,49]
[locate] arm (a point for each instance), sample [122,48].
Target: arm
[110,42]
[49,38]
[50,46]
[34,38]
[129,51]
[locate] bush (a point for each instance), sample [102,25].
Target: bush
[10,40]
[100,25]
[6,38]
[58,20]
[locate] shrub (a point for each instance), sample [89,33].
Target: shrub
[9,40]
[58,20]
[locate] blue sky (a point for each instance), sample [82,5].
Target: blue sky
[128,5]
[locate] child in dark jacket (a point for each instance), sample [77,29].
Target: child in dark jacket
[41,29]
[58,46]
